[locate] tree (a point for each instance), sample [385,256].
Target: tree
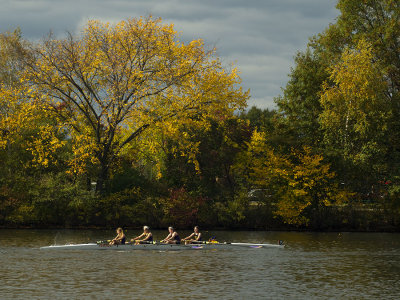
[31,146]
[259,166]
[310,189]
[356,109]
[10,60]
[377,23]
[261,119]
[112,84]
[299,106]
[298,185]
[25,127]
[9,69]
[260,178]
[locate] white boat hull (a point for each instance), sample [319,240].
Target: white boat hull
[161,247]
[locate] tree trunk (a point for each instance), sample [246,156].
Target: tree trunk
[102,177]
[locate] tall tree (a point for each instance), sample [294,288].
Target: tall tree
[114,83]
[377,22]
[356,109]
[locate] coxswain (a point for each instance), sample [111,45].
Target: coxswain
[194,238]
[172,237]
[120,238]
[145,238]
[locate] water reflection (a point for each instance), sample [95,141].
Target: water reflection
[312,266]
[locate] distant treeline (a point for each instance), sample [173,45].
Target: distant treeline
[126,126]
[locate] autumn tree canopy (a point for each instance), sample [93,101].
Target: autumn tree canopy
[112,83]
[356,107]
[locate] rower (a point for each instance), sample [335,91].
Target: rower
[145,238]
[120,238]
[194,238]
[172,237]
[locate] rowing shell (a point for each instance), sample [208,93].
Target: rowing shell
[161,247]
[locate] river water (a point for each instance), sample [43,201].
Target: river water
[311,266]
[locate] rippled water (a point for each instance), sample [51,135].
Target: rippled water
[311,266]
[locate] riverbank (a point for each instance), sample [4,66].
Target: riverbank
[102,215]
[384,228]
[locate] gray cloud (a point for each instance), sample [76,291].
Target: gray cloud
[259,36]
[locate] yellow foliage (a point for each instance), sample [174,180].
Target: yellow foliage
[355,106]
[295,183]
[309,184]
[24,121]
[117,87]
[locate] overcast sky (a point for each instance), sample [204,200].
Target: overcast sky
[259,36]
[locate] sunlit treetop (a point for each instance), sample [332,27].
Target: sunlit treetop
[114,82]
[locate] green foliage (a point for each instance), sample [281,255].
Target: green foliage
[299,106]
[231,213]
[218,146]
[260,119]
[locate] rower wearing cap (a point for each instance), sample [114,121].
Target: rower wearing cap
[172,237]
[194,238]
[145,237]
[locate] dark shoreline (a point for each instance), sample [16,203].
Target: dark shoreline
[288,229]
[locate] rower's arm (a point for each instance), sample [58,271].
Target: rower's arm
[147,237]
[168,237]
[138,237]
[119,237]
[188,237]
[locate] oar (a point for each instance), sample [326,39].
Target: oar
[142,242]
[103,242]
[108,241]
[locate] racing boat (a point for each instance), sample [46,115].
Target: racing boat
[161,246]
